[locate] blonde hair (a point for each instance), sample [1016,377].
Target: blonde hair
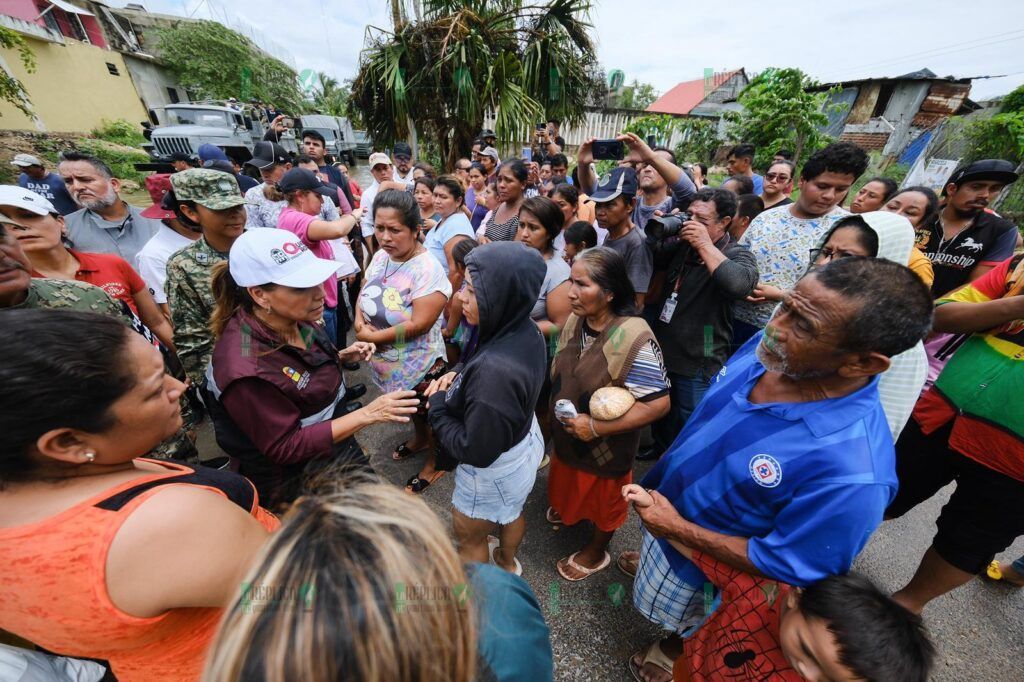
[366,585]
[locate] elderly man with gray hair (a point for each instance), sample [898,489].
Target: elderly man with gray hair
[105,223]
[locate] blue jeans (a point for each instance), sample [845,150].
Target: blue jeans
[685,394]
[331,324]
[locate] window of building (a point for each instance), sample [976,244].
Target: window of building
[112,69]
[884,95]
[172,96]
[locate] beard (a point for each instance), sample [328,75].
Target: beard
[775,359]
[98,204]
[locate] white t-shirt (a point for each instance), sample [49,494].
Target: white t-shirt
[152,259]
[366,203]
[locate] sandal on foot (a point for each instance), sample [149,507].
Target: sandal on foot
[494,543]
[653,655]
[553,518]
[626,565]
[587,572]
[417,485]
[544,461]
[403,451]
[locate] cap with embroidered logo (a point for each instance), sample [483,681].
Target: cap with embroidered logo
[268,255]
[619,181]
[19,197]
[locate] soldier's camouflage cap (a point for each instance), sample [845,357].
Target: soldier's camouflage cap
[207,187]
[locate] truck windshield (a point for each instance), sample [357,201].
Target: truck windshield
[199,117]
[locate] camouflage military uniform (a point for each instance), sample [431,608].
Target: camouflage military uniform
[190,299]
[62,294]
[189,271]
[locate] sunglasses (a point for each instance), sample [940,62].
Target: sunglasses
[781,177]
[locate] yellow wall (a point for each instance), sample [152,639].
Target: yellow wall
[71,89]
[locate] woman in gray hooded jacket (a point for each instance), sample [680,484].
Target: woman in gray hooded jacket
[482,413]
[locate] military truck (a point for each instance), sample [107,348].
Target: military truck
[185,127]
[337,131]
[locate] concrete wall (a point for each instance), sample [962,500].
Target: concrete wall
[71,89]
[151,81]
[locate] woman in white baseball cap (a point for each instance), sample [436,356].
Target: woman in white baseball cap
[274,387]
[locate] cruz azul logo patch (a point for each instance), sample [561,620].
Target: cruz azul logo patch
[765,470]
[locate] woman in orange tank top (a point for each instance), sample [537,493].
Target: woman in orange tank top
[107,555]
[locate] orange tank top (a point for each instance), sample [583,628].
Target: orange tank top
[53,589]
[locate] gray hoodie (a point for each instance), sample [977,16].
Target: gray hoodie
[489,407]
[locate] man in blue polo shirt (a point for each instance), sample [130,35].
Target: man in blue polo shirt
[787,465]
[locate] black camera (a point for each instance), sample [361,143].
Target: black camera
[662,227]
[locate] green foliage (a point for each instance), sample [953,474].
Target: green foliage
[779,112]
[998,137]
[524,60]
[11,89]
[120,158]
[636,95]
[214,62]
[700,137]
[1014,102]
[700,140]
[119,132]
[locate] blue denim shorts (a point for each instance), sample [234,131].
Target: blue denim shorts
[498,493]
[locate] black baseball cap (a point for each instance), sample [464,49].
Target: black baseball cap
[266,154]
[985,169]
[621,180]
[181,156]
[300,178]
[402,149]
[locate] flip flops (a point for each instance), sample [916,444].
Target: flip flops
[417,485]
[570,561]
[653,655]
[553,518]
[494,543]
[627,565]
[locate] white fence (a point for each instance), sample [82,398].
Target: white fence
[600,123]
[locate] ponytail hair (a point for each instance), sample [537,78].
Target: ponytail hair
[273,193]
[229,298]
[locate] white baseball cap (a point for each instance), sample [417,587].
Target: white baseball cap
[267,255]
[26,160]
[378,158]
[12,195]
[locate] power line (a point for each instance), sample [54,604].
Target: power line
[935,52]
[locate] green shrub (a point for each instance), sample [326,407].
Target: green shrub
[120,158]
[119,132]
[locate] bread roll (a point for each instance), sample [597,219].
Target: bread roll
[610,402]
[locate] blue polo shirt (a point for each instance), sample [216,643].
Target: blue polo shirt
[806,482]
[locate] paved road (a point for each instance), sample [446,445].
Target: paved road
[978,628]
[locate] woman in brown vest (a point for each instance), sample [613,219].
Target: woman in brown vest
[603,343]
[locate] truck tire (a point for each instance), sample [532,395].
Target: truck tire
[351,156]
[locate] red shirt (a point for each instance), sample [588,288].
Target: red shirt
[741,639]
[111,273]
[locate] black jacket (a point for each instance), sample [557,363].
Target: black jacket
[489,407]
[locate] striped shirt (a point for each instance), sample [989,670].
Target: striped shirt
[646,377]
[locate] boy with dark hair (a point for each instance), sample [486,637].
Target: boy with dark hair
[748,207]
[615,199]
[781,237]
[839,628]
[741,162]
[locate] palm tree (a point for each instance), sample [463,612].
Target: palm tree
[524,60]
[330,97]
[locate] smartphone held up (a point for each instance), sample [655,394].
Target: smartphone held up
[608,150]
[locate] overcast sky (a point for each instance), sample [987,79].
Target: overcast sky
[830,41]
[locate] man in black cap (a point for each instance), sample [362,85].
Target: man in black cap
[315,146]
[181,161]
[615,199]
[488,137]
[967,240]
[402,157]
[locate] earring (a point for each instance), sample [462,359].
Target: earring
[90,457]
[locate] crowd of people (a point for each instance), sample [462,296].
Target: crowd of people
[802,361]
